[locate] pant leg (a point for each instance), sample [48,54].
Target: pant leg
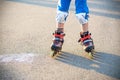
[63,5]
[81,6]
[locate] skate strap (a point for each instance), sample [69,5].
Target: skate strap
[58,39]
[59,35]
[84,38]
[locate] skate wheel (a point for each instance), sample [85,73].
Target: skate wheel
[54,54]
[90,55]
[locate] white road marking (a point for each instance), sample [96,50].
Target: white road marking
[22,57]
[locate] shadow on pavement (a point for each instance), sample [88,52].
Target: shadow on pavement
[97,7]
[1,72]
[104,63]
[6,73]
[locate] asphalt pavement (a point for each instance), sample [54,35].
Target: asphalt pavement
[26,28]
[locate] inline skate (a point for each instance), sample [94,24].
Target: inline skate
[87,43]
[58,41]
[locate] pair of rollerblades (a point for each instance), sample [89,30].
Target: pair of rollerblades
[85,39]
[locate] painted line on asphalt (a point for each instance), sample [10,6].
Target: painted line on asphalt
[22,57]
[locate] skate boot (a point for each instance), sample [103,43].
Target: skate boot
[86,41]
[57,41]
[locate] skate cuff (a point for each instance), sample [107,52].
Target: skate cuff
[84,38]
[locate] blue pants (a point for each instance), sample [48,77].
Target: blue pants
[80,6]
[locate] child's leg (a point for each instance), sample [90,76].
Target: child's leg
[84,27]
[61,19]
[82,15]
[62,13]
